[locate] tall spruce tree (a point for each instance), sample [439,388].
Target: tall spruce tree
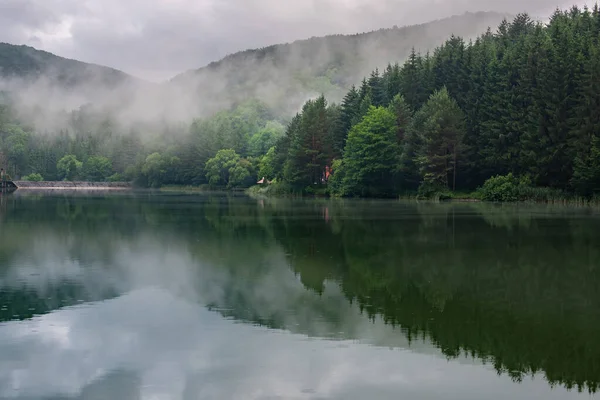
[307,155]
[440,126]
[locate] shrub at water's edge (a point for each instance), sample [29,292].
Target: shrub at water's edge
[283,189]
[505,188]
[34,177]
[509,188]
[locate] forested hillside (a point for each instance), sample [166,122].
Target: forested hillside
[29,64]
[524,101]
[521,102]
[52,107]
[286,75]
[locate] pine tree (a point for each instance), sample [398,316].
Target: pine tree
[411,82]
[349,111]
[377,89]
[393,81]
[585,140]
[403,115]
[441,128]
[307,157]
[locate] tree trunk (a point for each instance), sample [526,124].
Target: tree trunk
[454,172]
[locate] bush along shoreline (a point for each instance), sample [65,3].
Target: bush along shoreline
[497,189]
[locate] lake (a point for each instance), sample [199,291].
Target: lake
[214,296]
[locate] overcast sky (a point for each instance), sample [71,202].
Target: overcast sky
[156,39]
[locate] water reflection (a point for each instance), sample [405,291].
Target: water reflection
[128,294]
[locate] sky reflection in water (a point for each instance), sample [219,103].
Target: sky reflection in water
[177,298]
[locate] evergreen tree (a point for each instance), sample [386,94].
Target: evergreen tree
[411,81]
[441,128]
[307,157]
[403,114]
[586,136]
[393,81]
[377,89]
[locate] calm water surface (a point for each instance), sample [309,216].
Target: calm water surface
[148,296]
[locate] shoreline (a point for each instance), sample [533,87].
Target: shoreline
[73,188]
[75,185]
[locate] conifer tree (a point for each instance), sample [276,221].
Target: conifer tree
[441,128]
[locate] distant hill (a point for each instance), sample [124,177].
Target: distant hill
[28,63]
[42,86]
[285,75]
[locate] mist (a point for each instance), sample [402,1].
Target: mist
[283,77]
[62,107]
[158,39]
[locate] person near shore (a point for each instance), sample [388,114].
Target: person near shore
[3,177]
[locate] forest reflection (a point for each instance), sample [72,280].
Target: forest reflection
[512,286]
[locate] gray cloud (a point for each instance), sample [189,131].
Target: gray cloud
[159,38]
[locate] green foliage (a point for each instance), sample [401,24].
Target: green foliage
[371,156]
[228,169]
[505,188]
[34,177]
[336,181]
[116,177]
[242,174]
[440,126]
[586,176]
[69,167]
[275,189]
[267,165]
[523,100]
[157,170]
[218,168]
[264,139]
[14,146]
[433,191]
[97,169]
[153,169]
[309,144]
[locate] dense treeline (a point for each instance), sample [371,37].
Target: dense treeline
[95,146]
[524,100]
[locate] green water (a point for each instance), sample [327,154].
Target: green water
[155,296]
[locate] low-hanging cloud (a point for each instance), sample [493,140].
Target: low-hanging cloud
[157,39]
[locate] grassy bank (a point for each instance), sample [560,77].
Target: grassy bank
[198,189]
[285,190]
[185,188]
[522,194]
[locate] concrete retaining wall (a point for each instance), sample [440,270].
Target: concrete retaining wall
[73,185]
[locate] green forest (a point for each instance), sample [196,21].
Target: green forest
[515,113]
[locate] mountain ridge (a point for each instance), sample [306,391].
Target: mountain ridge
[229,56]
[37,62]
[287,74]
[283,76]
